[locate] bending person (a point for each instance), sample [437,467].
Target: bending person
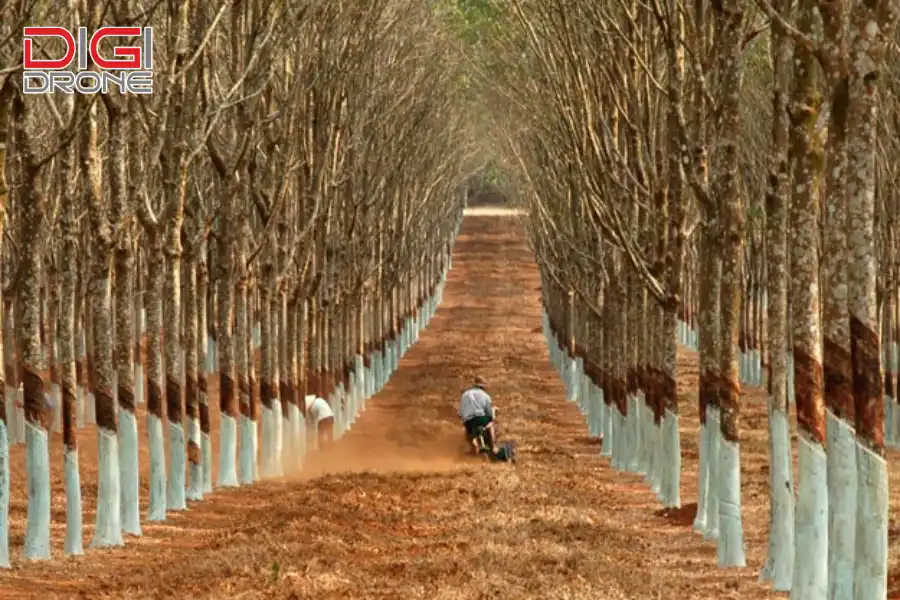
[476,410]
[319,414]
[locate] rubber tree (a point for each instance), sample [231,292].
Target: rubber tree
[6,92]
[779,565]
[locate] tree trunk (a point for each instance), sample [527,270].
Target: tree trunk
[291,392]
[191,389]
[779,565]
[227,349]
[731,536]
[139,329]
[253,400]
[15,415]
[244,360]
[837,368]
[27,304]
[124,328]
[108,531]
[128,461]
[176,499]
[811,547]
[5,107]
[203,372]
[285,393]
[271,408]
[50,345]
[28,338]
[156,408]
[871,26]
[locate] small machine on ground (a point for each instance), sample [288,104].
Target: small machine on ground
[486,442]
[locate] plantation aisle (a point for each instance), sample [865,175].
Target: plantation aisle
[561,524]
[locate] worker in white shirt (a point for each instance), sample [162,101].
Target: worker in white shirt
[476,410]
[319,414]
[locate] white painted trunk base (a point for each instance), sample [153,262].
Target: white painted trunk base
[576,375]
[811,541]
[392,359]
[570,374]
[644,422]
[129,473]
[730,549]
[888,420]
[376,373]
[195,486]
[670,484]
[211,355]
[713,436]
[790,377]
[842,483]
[294,462]
[620,450]
[350,417]
[657,458]
[206,454]
[352,402]
[138,384]
[287,443]
[37,459]
[4,495]
[606,448]
[156,508]
[633,463]
[20,414]
[758,373]
[361,382]
[56,402]
[108,531]
[870,571]
[385,366]
[10,426]
[895,420]
[79,407]
[652,451]
[90,414]
[271,440]
[227,476]
[584,392]
[702,480]
[599,411]
[595,427]
[368,377]
[779,565]
[74,545]
[248,466]
[335,400]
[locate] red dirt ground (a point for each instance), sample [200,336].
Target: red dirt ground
[397,511]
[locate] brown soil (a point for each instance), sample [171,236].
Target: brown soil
[396,510]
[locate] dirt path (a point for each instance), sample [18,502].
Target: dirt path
[398,511]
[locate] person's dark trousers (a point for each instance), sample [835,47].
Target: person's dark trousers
[472,426]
